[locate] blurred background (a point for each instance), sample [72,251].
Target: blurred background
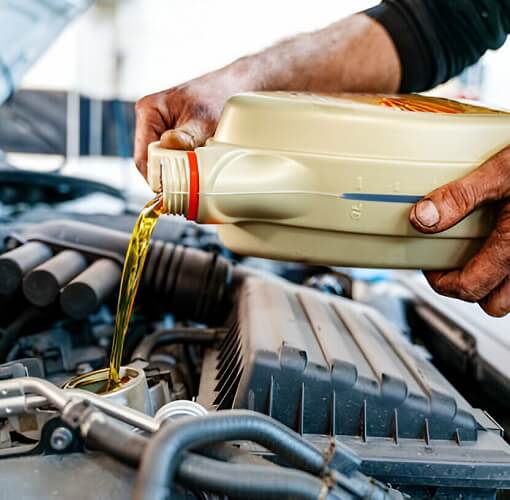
[128,48]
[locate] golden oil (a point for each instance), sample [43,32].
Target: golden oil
[131,275]
[96,381]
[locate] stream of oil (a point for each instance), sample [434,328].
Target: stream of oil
[131,274]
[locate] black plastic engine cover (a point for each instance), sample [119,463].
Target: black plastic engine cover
[329,366]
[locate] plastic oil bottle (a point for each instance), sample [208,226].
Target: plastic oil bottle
[331,179]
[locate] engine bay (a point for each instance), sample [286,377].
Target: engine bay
[245,378]
[240,377]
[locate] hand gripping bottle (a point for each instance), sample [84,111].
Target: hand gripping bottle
[331,179]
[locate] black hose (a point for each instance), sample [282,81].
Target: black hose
[234,474]
[198,472]
[22,326]
[226,452]
[242,480]
[173,336]
[122,443]
[248,480]
[117,440]
[161,456]
[102,432]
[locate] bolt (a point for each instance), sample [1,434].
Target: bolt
[61,438]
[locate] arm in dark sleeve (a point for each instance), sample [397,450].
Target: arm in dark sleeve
[437,39]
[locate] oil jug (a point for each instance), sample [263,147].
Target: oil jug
[331,179]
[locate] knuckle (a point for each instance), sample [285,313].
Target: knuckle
[500,246]
[181,95]
[493,308]
[142,103]
[502,231]
[200,110]
[469,288]
[150,101]
[460,195]
[494,175]
[438,288]
[440,282]
[504,256]
[499,168]
[435,282]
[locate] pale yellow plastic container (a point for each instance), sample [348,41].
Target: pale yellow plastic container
[331,179]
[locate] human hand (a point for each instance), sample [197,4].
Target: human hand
[486,277]
[184,117]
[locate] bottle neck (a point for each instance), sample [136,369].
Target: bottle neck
[175,174]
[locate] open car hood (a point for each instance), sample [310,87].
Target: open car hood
[28,27]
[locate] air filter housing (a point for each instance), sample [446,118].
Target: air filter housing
[327,366]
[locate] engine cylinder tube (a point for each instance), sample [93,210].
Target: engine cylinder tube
[16,263]
[193,284]
[83,295]
[42,285]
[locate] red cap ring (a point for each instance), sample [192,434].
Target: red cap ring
[193,185]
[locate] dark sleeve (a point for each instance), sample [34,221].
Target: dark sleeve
[437,39]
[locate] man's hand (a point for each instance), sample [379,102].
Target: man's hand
[184,117]
[486,277]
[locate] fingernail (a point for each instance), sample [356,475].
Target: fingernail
[426,213]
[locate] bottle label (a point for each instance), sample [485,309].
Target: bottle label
[424,104]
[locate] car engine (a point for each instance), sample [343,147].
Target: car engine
[241,377]
[247,378]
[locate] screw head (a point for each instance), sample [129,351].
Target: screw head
[61,438]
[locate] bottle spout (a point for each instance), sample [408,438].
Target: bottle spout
[174,173]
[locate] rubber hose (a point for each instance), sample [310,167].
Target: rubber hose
[242,480]
[127,447]
[226,452]
[172,336]
[117,440]
[20,327]
[248,480]
[161,456]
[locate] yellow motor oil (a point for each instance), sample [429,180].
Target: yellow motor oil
[331,179]
[134,262]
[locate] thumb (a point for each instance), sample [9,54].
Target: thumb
[188,136]
[449,204]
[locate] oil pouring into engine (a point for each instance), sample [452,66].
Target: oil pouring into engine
[112,377]
[290,176]
[131,274]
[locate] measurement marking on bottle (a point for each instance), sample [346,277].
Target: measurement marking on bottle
[357,211]
[384,198]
